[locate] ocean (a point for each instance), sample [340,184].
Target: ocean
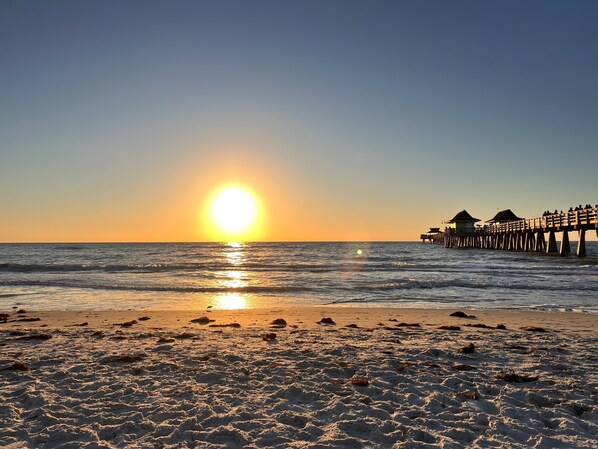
[188,276]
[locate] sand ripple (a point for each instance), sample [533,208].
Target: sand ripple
[232,389]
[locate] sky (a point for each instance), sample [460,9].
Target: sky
[349,120]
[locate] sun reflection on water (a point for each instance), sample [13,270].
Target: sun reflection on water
[234,279]
[234,253]
[235,275]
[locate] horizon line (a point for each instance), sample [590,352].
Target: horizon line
[203,241]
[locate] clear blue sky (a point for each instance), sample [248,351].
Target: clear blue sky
[365,120]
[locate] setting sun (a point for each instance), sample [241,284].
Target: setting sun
[233,212]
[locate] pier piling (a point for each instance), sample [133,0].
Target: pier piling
[551,242]
[565,246]
[540,242]
[581,244]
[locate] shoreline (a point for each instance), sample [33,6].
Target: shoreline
[375,378]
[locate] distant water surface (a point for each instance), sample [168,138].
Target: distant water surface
[183,276]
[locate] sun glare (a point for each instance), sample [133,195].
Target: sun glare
[233,212]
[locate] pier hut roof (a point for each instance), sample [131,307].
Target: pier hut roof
[504,216]
[462,217]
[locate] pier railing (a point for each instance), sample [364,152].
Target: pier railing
[566,221]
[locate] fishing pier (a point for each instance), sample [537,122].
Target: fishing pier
[506,231]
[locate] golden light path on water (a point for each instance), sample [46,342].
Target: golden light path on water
[234,279]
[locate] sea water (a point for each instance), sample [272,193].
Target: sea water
[186,276]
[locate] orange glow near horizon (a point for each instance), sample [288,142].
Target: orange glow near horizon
[233,214]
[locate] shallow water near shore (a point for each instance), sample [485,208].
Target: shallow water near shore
[187,276]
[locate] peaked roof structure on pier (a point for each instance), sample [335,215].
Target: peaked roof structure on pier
[462,217]
[504,216]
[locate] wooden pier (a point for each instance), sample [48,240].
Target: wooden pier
[535,234]
[434,235]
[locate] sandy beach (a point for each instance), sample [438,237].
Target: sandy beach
[381,378]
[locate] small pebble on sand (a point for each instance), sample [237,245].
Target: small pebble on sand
[469,349]
[327,321]
[534,329]
[269,336]
[202,320]
[359,381]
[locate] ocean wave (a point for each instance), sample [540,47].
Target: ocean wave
[457,283]
[54,268]
[370,288]
[330,267]
[156,267]
[589,267]
[156,288]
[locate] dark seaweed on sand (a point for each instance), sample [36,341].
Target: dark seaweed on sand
[126,358]
[408,325]
[512,377]
[460,314]
[16,366]
[41,337]
[202,320]
[534,329]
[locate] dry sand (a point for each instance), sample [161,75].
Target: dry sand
[80,379]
